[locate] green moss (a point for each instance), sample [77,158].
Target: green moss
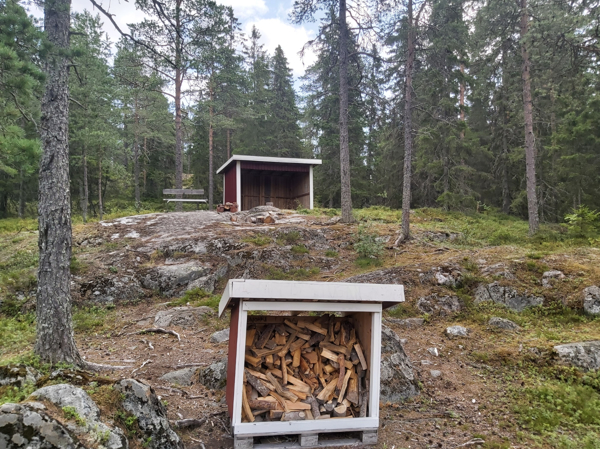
[258,240]
[299,249]
[197,297]
[331,253]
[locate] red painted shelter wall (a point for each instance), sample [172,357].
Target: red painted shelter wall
[230,185]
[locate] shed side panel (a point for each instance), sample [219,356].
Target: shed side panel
[230,185]
[231,356]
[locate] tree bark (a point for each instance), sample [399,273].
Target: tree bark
[100,208]
[228,144]
[86,191]
[210,149]
[54,340]
[178,127]
[21,194]
[505,172]
[408,138]
[532,203]
[346,192]
[136,157]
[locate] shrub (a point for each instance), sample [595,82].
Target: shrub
[366,243]
[289,238]
[583,222]
[299,249]
[197,297]
[258,240]
[331,253]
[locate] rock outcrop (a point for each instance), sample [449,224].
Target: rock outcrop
[214,376]
[29,426]
[141,401]
[79,407]
[439,305]
[503,323]
[398,381]
[591,300]
[456,331]
[181,316]
[18,375]
[584,355]
[184,377]
[220,336]
[507,296]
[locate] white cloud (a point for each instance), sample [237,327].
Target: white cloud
[292,38]
[246,9]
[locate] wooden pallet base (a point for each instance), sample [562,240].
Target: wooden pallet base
[367,438]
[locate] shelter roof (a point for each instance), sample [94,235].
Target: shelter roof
[276,160]
[267,290]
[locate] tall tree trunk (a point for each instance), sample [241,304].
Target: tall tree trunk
[408,138]
[346,192]
[228,144]
[503,111]
[461,100]
[145,156]
[100,207]
[136,157]
[21,194]
[178,127]
[532,203]
[86,191]
[54,340]
[210,149]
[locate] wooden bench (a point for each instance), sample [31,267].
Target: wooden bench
[184,192]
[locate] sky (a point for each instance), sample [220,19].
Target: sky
[269,16]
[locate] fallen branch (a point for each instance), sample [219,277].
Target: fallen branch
[187,423]
[473,442]
[189,365]
[143,364]
[172,390]
[158,330]
[100,367]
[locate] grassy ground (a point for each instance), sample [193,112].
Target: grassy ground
[542,405]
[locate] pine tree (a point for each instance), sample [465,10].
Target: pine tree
[283,132]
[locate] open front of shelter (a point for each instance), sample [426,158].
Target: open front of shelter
[304,360]
[252,181]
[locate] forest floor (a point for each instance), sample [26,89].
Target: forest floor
[504,388]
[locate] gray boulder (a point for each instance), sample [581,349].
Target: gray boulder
[457,331]
[170,278]
[220,336]
[591,300]
[18,375]
[407,322]
[549,278]
[151,414]
[87,426]
[584,355]
[507,296]
[183,377]
[449,276]
[503,323]
[435,373]
[214,376]
[398,380]
[28,426]
[181,316]
[443,306]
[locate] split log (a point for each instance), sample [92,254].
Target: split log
[335,348]
[264,405]
[328,390]
[246,406]
[315,328]
[311,357]
[294,416]
[285,393]
[314,406]
[257,384]
[250,337]
[342,374]
[340,411]
[264,336]
[352,394]
[361,356]
[315,338]
[344,385]
[275,414]
[290,340]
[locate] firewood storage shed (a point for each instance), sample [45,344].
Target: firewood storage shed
[304,360]
[252,181]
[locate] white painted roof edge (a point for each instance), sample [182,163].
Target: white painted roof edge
[255,289]
[281,160]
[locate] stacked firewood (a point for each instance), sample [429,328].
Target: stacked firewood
[299,368]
